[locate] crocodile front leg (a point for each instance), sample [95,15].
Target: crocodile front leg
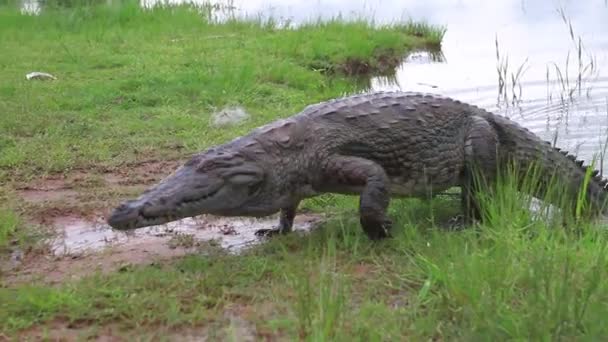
[345,174]
[286,218]
[481,146]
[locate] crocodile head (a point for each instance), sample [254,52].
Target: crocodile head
[218,183]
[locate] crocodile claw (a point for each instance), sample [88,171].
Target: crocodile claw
[268,232]
[377,230]
[458,223]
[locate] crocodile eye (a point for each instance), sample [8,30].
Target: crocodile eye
[254,188]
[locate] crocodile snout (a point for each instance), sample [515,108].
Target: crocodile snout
[124,216]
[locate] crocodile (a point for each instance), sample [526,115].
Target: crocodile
[377,145]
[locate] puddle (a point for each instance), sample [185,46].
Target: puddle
[233,234]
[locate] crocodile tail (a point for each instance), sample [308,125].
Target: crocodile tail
[525,149]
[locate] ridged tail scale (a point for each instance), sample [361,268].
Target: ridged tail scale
[521,146]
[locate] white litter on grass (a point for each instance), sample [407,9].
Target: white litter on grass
[37,75]
[229,116]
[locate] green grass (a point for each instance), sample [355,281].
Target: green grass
[8,225]
[133,84]
[15,233]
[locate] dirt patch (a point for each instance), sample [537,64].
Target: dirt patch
[39,196]
[145,172]
[65,331]
[234,324]
[141,173]
[383,63]
[75,205]
[87,193]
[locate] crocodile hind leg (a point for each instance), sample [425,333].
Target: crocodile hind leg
[345,174]
[286,218]
[480,169]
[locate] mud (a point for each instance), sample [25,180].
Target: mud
[234,324]
[67,332]
[233,234]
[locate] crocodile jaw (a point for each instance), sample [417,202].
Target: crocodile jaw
[190,192]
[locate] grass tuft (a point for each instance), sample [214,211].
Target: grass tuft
[8,226]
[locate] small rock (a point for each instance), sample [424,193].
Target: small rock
[229,116]
[228,230]
[125,267]
[16,259]
[37,75]
[17,255]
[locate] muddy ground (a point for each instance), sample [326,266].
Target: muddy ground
[72,208]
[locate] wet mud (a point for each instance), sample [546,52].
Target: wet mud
[77,236]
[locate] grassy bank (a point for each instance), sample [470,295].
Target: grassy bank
[134,85]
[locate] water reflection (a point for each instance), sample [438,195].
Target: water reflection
[30,6]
